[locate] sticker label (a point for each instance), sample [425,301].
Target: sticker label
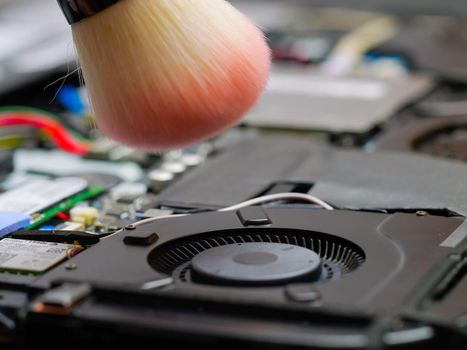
[31,256]
[327,87]
[37,195]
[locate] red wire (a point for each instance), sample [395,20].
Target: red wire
[63,216]
[53,129]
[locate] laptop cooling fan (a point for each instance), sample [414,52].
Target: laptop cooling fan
[444,137]
[256,257]
[352,258]
[254,276]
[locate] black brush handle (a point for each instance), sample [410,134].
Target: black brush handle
[76,10]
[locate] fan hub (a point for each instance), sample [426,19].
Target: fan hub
[256,264]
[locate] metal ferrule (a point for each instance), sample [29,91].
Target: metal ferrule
[76,10]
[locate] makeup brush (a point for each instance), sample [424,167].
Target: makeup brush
[163,74]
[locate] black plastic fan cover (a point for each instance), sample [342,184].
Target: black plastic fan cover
[257,257]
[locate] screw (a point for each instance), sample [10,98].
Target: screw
[461,321]
[71,266]
[303,294]
[456,257]
[397,324]
[421,213]
[130,227]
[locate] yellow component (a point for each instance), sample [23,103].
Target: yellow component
[85,215]
[71,248]
[349,51]
[73,226]
[35,216]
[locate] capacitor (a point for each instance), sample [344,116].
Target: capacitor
[159,179]
[192,160]
[174,166]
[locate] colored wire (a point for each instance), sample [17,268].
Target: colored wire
[12,141]
[46,114]
[280,196]
[59,135]
[255,201]
[91,192]
[43,113]
[351,48]
[147,221]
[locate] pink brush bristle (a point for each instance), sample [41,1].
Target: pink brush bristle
[168,73]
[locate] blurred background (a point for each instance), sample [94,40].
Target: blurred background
[362,76]
[369,74]
[35,39]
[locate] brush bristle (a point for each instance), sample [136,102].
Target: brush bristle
[167,73]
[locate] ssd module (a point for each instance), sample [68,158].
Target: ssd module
[19,255]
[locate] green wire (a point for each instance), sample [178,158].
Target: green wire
[11,142]
[9,109]
[66,205]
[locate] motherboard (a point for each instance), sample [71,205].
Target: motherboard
[332,217]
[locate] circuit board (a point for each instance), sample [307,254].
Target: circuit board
[354,154]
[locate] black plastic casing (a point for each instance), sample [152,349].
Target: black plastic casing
[77,10]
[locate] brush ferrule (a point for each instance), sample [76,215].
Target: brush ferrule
[76,10]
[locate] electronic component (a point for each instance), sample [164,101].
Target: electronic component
[106,225]
[72,226]
[11,221]
[47,228]
[159,179]
[146,202]
[128,191]
[37,195]
[31,256]
[301,47]
[59,236]
[191,160]
[105,181]
[110,207]
[173,166]
[155,213]
[304,99]
[66,205]
[70,97]
[434,43]
[195,156]
[65,295]
[437,136]
[85,215]
[63,164]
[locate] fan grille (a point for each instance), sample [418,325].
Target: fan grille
[340,254]
[328,272]
[448,143]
